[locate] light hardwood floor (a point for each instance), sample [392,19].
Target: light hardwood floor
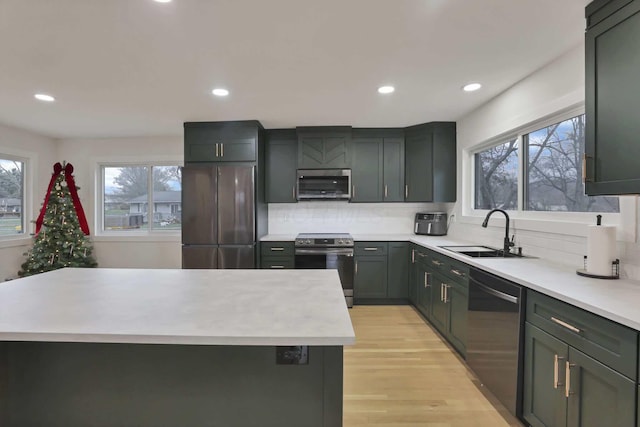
[401,373]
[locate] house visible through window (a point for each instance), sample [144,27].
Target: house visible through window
[11,197]
[551,178]
[129,192]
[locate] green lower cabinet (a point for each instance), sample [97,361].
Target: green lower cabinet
[398,271]
[565,387]
[457,300]
[277,263]
[423,289]
[439,309]
[370,278]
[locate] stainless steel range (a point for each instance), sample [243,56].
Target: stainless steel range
[328,251]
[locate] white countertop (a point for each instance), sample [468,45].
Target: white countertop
[170,306]
[616,300]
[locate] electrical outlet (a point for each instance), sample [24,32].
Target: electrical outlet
[292,355]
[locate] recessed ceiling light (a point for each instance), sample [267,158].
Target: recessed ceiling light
[44,97]
[471,87]
[386,89]
[220,92]
[162,1]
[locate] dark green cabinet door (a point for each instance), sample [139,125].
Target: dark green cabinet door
[457,299]
[282,157]
[612,125]
[544,374]
[398,270]
[418,148]
[444,162]
[393,170]
[237,150]
[423,284]
[439,309]
[370,279]
[324,148]
[366,169]
[598,395]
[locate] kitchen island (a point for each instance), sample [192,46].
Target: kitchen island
[123,347]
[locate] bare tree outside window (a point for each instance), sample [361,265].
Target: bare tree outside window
[554,170]
[496,177]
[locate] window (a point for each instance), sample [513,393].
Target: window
[554,170]
[141,198]
[497,177]
[11,196]
[544,166]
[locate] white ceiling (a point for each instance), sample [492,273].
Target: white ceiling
[137,67]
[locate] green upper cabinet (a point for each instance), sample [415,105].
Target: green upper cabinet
[282,158]
[324,147]
[221,141]
[377,165]
[612,125]
[430,162]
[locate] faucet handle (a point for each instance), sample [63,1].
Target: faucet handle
[511,243]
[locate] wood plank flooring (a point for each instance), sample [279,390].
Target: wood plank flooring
[401,373]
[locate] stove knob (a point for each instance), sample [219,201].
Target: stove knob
[308,242]
[340,241]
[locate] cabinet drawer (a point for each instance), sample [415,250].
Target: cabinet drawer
[420,255]
[438,263]
[458,271]
[277,262]
[370,248]
[279,249]
[608,342]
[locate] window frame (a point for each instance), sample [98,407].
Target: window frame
[28,161]
[151,233]
[558,222]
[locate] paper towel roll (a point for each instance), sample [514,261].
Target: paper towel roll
[601,249]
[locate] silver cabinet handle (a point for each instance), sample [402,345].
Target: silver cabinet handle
[566,325]
[456,272]
[413,256]
[356,267]
[386,191]
[353,191]
[406,190]
[370,249]
[567,379]
[217,149]
[222,149]
[293,192]
[277,249]
[426,279]
[446,293]
[441,291]
[438,263]
[277,266]
[556,381]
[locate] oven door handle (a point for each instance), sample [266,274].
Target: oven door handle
[496,293]
[337,251]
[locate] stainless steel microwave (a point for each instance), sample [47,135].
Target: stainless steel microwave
[324,184]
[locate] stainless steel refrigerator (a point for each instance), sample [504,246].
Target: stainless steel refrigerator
[218,216]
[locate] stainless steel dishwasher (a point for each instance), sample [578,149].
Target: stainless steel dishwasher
[494,341]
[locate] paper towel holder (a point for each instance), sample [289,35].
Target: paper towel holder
[615,270]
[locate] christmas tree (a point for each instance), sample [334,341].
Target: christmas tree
[61,238]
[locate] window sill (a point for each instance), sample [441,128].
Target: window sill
[12,242]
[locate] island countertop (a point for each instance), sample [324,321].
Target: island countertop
[171,306]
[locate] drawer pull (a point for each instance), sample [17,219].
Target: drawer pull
[556,381]
[277,266]
[370,249]
[457,273]
[277,249]
[420,254]
[438,263]
[566,325]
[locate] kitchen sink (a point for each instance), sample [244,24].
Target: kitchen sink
[482,252]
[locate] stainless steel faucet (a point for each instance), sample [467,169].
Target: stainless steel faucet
[507,243]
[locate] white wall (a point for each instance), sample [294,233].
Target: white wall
[556,87]
[126,252]
[42,154]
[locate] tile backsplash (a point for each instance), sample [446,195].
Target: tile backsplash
[344,217]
